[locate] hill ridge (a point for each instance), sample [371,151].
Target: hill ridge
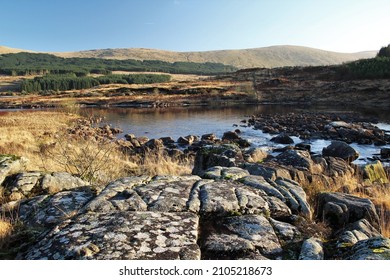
[268,57]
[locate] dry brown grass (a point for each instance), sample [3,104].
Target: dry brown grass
[44,139]
[5,231]
[159,163]
[94,160]
[378,193]
[22,133]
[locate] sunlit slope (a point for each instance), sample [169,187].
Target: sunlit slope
[274,56]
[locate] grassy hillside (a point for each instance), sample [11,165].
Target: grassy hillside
[40,63]
[274,56]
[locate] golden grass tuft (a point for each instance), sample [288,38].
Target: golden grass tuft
[5,229]
[159,163]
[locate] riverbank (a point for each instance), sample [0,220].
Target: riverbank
[312,86]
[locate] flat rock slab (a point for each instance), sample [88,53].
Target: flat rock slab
[224,198]
[162,194]
[48,211]
[122,235]
[119,195]
[240,236]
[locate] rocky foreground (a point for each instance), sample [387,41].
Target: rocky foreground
[232,207]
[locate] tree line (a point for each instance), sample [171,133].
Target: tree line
[22,64]
[64,82]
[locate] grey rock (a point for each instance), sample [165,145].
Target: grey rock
[295,194]
[61,181]
[268,172]
[337,167]
[278,209]
[218,198]
[282,138]
[357,231]
[154,144]
[11,165]
[123,235]
[312,249]
[256,229]
[228,173]
[253,155]
[286,232]
[220,246]
[342,150]
[226,155]
[231,136]
[376,248]
[209,137]
[119,195]
[260,183]
[339,209]
[167,196]
[21,185]
[296,158]
[47,211]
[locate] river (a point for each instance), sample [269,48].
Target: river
[176,122]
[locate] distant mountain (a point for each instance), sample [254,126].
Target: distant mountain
[274,56]
[4,50]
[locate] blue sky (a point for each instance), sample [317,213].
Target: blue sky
[194,25]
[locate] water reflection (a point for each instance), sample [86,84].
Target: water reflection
[176,122]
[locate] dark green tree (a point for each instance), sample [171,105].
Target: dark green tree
[384,51]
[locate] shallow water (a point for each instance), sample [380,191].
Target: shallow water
[176,122]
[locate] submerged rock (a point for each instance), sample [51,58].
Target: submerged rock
[282,138]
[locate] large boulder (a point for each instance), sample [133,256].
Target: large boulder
[61,181]
[385,153]
[298,159]
[339,209]
[216,155]
[355,232]
[282,138]
[340,149]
